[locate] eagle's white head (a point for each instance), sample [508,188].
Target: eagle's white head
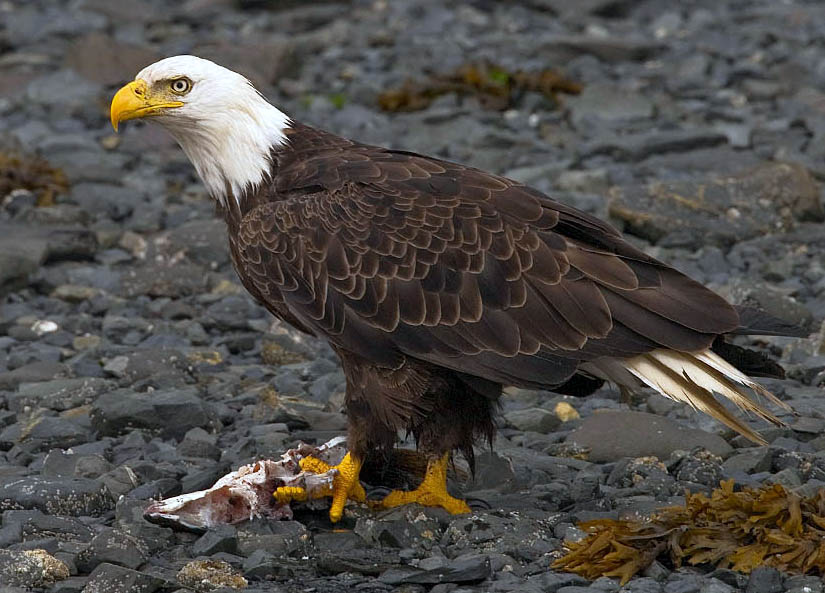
[226,127]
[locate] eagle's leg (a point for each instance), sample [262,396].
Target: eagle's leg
[345,484]
[432,492]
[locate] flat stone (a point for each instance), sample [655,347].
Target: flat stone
[110,578]
[469,569]
[171,413]
[277,537]
[205,575]
[222,538]
[62,496]
[31,568]
[608,104]
[721,209]
[613,435]
[764,579]
[609,49]
[114,547]
[33,372]
[58,395]
[533,419]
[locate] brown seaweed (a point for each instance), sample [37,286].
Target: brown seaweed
[495,87]
[736,529]
[32,173]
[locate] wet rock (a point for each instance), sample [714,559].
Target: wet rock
[222,538]
[764,579]
[533,419]
[59,395]
[157,280]
[114,547]
[721,209]
[208,575]
[608,105]
[110,578]
[277,537]
[467,569]
[613,435]
[20,257]
[747,461]
[62,496]
[31,568]
[32,373]
[605,48]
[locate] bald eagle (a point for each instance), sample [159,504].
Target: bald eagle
[436,283]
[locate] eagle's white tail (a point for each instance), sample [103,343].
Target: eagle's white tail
[692,378]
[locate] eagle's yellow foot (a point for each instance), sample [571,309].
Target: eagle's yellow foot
[432,492]
[345,485]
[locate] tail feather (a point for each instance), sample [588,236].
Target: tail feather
[693,378]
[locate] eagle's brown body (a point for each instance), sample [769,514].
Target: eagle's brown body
[437,284]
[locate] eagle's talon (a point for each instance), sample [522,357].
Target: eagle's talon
[287,494]
[345,485]
[432,492]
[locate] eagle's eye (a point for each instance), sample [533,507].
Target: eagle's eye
[181,86]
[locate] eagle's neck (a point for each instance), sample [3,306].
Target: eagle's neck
[232,150]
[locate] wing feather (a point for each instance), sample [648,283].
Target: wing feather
[461,268]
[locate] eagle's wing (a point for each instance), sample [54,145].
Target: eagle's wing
[389,253]
[393,255]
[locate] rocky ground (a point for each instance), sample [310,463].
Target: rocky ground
[132,364]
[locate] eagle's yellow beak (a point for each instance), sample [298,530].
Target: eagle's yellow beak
[134,101]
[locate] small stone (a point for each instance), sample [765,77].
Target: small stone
[31,568]
[114,547]
[748,461]
[33,373]
[74,293]
[764,579]
[86,342]
[533,419]
[616,434]
[110,578]
[222,538]
[208,575]
[60,496]
[565,412]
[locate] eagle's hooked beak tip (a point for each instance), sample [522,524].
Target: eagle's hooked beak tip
[134,101]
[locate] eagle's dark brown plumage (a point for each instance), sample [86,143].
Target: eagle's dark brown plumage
[436,283]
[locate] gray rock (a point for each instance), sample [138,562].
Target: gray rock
[613,435]
[278,537]
[721,209]
[104,200]
[20,257]
[747,461]
[31,568]
[163,280]
[764,579]
[171,413]
[112,546]
[609,49]
[533,419]
[222,538]
[53,431]
[110,578]
[466,569]
[33,372]
[58,395]
[603,104]
[64,496]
